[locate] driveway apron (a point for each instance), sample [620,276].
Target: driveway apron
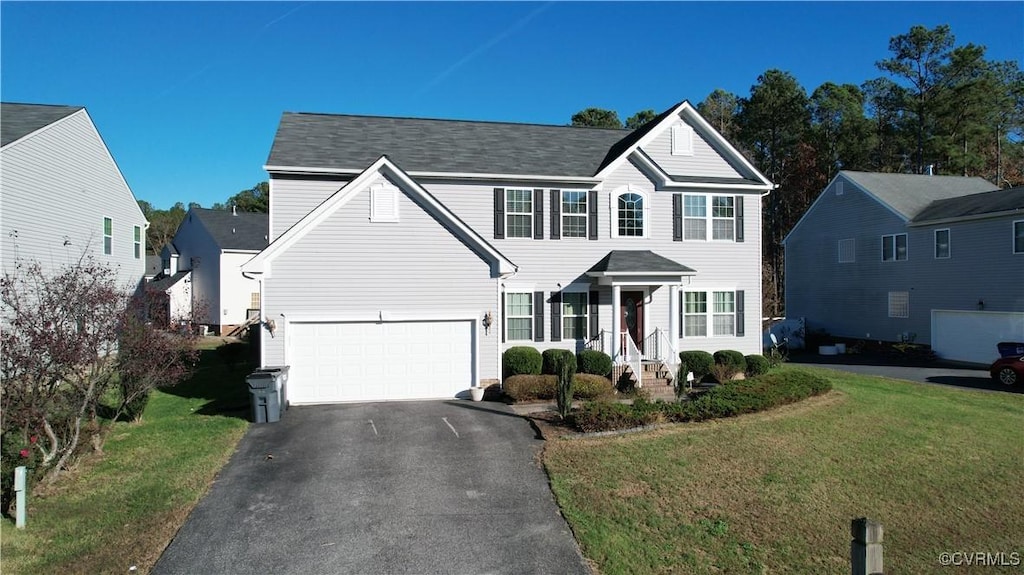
[409,487]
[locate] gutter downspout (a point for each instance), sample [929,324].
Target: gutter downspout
[500,322]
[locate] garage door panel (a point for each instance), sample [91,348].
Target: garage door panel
[374,361]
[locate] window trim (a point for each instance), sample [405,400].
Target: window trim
[708,314]
[583,290]
[895,248]
[529,214]
[562,214]
[509,317]
[137,237]
[949,244]
[709,218]
[1013,237]
[645,198]
[853,251]
[108,236]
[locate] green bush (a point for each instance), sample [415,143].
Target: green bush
[757,365]
[531,387]
[593,361]
[699,362]
[732,358]
[746,396]
[565,369]
[549,360]
[521,360]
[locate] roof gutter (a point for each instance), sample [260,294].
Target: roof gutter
[307,171]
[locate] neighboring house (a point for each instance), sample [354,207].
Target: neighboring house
[408,254]
[201,269]
[154,265]
[937,260]
[62,195]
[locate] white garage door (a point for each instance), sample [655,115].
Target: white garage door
[973,335]
[379,361]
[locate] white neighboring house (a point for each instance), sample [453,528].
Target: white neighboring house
[202,269]
[409,254]
[62,195]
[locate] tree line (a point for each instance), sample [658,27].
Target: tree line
[939,108]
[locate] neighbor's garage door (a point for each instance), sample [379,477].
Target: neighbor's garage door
[973,335]
[379,361]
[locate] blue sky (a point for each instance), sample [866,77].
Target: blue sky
[187,95]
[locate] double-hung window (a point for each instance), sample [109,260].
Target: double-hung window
[574,315]
[108,236]
[518,213]
[942,244]
[1018,237]
[894,247]
[138,242]
[695,213]
[724,313]
[698,220]
[695,314]
[519,316]
[698,315]
[723,213]
[574,214]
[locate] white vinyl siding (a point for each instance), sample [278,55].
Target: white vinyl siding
[574,213]
[894,247]
[899,304]
[574,315]
[847,251]
[942,246]
[1018,237]
[519,316]
[518,213]
[108,236]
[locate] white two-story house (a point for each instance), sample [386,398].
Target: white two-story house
[408,254]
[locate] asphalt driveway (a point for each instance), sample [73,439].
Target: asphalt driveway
[409,487]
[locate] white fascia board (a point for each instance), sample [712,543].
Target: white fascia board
[667,182]
[649,274]
[438,175]
[692,114]
[380,168]
[646,139]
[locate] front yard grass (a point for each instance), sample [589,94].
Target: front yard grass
[121,508]
[942,469]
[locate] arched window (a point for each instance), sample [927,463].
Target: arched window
[630,213]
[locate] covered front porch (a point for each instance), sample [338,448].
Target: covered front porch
[645,329]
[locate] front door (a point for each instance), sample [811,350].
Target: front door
[631,314]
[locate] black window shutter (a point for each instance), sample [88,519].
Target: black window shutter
[556,316]
[499,213]
[538,316]
[677,217]
[739,314]
[593,314]
[739,219]
[502,317]
[556,214]
[592,214]
[538,214]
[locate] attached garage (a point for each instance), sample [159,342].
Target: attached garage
[333,362]
[973,335]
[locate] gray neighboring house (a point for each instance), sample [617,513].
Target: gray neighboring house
[934,259]
[62,195]
[408,254]
[202,269]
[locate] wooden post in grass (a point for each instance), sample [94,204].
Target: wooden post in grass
[866,547]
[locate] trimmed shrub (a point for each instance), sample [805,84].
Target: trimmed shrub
[723,372]
[757,365]
[699,362]
[531,387]
[731,358]
[521,360]
[593,361]
[607,416]
[549,360]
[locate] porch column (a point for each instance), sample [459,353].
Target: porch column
[673,319]
[616,327]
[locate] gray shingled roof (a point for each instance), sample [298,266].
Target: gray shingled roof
[165,283]
[639,261]
[154,266]
[426,145]
[1008,200]
[20,120]
[909,194]
[240,231]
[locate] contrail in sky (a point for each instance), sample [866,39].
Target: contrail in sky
[483,48]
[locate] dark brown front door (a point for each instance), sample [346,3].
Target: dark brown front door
[631,314]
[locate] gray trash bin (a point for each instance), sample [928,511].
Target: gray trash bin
[280,373]
[264,396]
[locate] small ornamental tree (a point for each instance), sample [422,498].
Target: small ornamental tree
[565,368]
[68,336]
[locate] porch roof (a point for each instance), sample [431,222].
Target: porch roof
[638,262]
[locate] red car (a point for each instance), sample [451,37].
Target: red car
[1008,370]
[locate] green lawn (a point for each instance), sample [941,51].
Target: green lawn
[941,468]
[121,508]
